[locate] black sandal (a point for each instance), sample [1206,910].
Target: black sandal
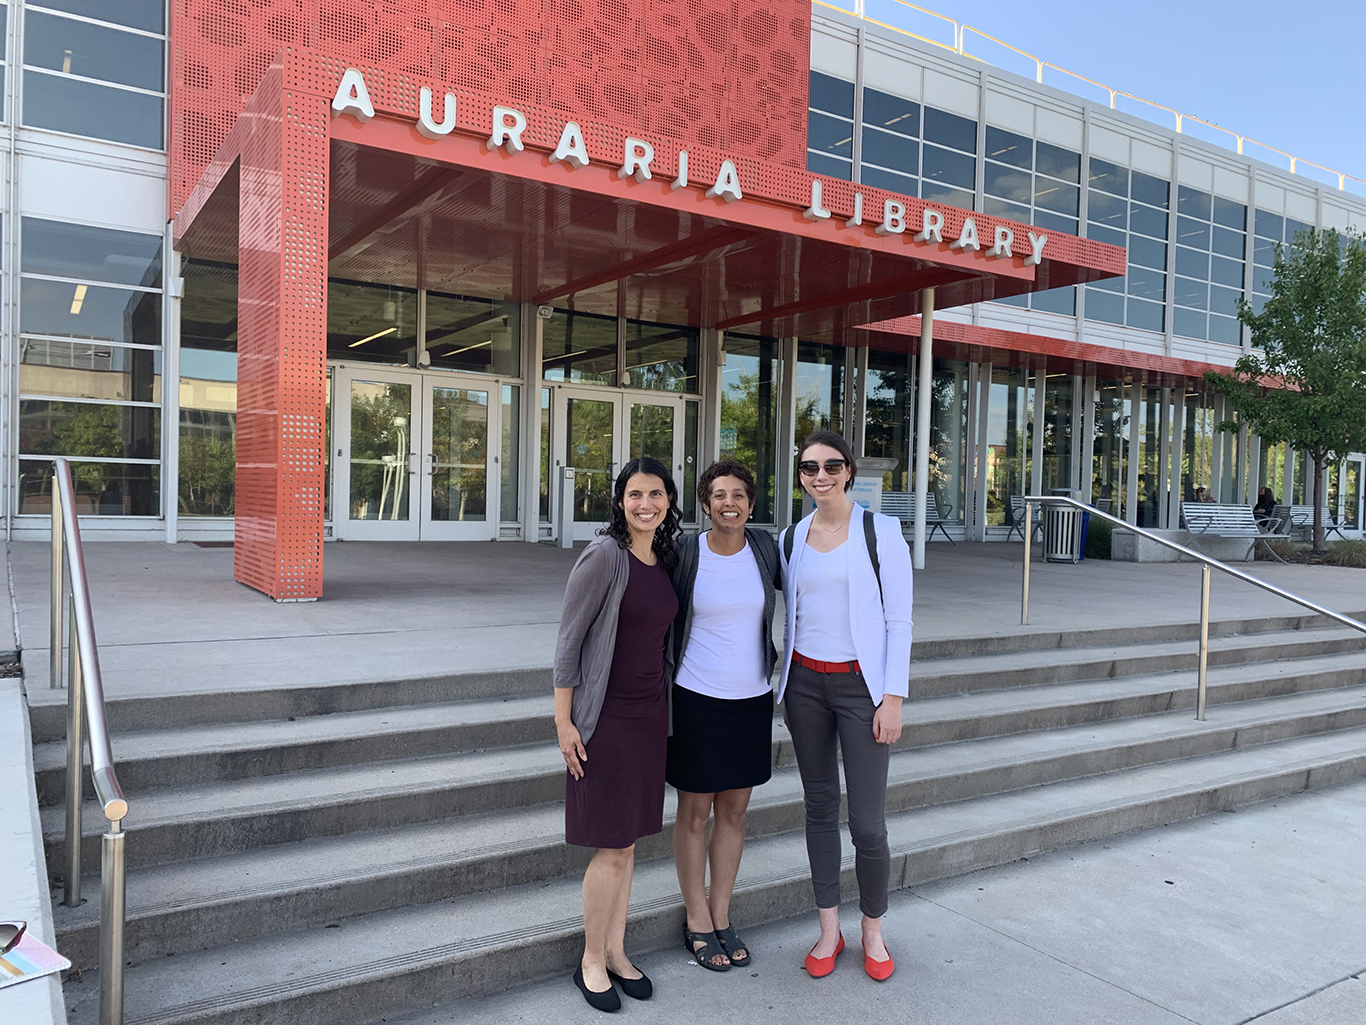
[729,941]
[710,948]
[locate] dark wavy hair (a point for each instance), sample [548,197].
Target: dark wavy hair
[726,468]
[836,442]
[666,534]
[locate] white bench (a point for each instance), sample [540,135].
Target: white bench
[901,504]
[1215,520]
[1299,521]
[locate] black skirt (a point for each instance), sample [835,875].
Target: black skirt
[718,744]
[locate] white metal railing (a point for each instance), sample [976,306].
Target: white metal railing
[1205,564]
[85,706]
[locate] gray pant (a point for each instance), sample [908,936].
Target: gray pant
[821,708]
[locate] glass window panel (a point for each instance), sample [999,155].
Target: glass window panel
[950,130]
[1000,208]
[888,111]
[1110,177]
[1148,221]
[1189,323]
[1229,243]
[1008,183]
[1056,222]
[381,440]
[1224,300]
[1147,189]
[1105,306]
[1145,315]
[92,51]
[1224,329]
[1055,196]
[1193,203]
[545,456]
[580,347]
[827,134]
[688,485]
[1230,214]
[889,180]
[1192,233]
[208,461]
[1056,300]
[819,392]
[1022,301]
[661,357]
[832,94]
[1293,228]
[80,370]
[102,489]
[1263,251]
[89,429]
[948,168]
[1258,303]
[97,254]
[478,335]
[1192,263]
[1111,284]
[374,323]
[1147,253]
[460,455]
[1227,272]
[1107,210]
[894,151]
[1191,293]
[888,425]
[834,167]
[946,195]
[1148,284]
[1263,280]
[1108,235]
[96,111]
[1009,148]
[1269,225]
[148,15]
[208,312]
[89,311]
[1058,162]
[509,510]
[750,383]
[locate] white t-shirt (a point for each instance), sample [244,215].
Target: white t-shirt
[724,656]
[823,631]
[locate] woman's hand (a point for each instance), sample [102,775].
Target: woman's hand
[887,720]
[571,746]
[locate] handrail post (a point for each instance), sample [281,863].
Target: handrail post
[75,749]
[56,617]
[113,891]
[1024,585]
[1204,642]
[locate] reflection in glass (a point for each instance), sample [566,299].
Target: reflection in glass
[479,335]
[89,311]
[102,489]
[660,357]
[891,181]
[374,323]
[97,254]
[891,112]
[1058,162]
[819,400]
[890,391]
[948,168]
[750,381]
[588,449]
[148,15]
[79,48]
[81,370]
[89,429]
[893,151]
[950,130]
[460,454]
[1010,148]
[652,433]
[1109,465]
[509,510]
[948,435]
[96,111]
[381,421]
[832,94]
[545,455]
[831,135]
[208,430]
[1057,431]
[208,311]
[580,347]
[1008,416]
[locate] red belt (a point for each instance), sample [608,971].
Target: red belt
[825,667]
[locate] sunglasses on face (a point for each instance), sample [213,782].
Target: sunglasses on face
[809,467]
[10,935]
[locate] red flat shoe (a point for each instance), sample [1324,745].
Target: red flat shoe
[817,967]
[879,971]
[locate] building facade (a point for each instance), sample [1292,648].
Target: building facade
[414,334]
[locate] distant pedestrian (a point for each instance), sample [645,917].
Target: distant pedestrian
[722,741]
[845,672]
[613,662]
[1265,508]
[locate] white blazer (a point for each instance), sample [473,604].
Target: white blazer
[881,628]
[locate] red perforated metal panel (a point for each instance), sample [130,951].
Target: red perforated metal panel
[711,73]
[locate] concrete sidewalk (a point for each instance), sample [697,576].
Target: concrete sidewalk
[1250,916]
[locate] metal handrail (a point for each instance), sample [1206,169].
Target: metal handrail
[85,706]
[1205,564]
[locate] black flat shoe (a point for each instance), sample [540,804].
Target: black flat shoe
[608,1000]
[637,989]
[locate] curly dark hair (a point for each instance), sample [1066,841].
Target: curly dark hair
[665,543]
[725,468]
[835,441]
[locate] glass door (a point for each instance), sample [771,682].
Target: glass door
[588,426]
[375,463]
[1350,517]
[459,480]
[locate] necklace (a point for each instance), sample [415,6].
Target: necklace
[833,530]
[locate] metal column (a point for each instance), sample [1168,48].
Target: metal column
[922,427]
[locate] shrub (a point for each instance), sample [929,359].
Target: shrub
[1345,553]
[1098,539]
[1287,550]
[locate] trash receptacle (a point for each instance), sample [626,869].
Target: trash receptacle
[1061,534]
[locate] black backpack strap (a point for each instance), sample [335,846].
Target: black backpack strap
[870,539]
[787,545]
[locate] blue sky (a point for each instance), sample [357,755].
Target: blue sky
[1291,75]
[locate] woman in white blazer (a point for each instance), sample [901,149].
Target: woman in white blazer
[845,671]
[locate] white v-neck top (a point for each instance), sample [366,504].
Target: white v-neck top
[823,631]
[724,657]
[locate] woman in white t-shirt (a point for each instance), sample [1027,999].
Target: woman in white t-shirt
[721,746]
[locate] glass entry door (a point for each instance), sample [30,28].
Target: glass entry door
[597,432]
[414,456]
[1351,516]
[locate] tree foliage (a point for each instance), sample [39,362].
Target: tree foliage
[1304,382]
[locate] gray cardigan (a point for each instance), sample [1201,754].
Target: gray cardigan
[588,630]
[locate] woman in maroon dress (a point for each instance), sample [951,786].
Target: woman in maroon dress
[612,664]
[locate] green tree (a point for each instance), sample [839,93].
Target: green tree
[1307,384]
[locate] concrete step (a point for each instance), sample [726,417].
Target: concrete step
[201,754]
[385,963]
[186,905]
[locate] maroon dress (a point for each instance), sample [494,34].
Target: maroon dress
[621,795]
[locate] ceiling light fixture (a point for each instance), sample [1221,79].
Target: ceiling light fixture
[377,334]
[78,299]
